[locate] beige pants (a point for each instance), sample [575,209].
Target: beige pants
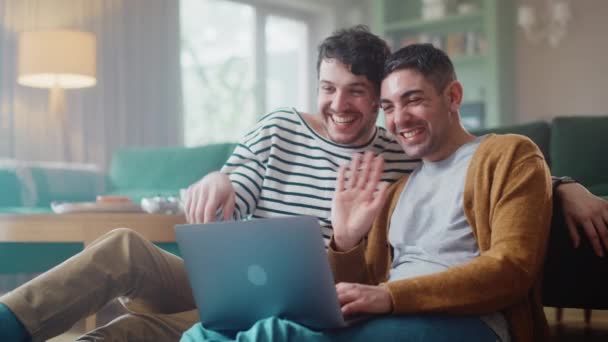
[121,263]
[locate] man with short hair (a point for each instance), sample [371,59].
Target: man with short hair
[473,242]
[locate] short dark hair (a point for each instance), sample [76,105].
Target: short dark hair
[358,48]
[432,63]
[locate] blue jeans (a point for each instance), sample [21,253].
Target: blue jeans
[436,328]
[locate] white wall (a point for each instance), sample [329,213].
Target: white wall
[571,79]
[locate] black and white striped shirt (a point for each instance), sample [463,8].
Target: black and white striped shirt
[284,168]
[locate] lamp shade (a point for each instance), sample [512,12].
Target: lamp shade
[64,59]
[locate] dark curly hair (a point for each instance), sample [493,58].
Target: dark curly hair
[432,63]
[358,48]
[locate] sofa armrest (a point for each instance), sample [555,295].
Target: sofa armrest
[579,149]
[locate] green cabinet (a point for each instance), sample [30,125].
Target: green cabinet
[478,36]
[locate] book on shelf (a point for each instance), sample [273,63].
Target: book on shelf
[455,44]
[438,40]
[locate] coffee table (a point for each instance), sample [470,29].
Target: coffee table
[85,228]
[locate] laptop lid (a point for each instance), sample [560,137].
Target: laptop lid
[244,271]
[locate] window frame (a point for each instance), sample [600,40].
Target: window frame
[313,19]
[262,12]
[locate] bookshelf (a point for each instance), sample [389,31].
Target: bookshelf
[478,36]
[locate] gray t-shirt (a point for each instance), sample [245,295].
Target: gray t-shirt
[429,230]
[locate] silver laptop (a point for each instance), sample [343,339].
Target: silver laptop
[244,271]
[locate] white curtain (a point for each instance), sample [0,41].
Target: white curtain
[137,99]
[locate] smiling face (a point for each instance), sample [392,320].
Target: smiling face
[421,118]
[347,103]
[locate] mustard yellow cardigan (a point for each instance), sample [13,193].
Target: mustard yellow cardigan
[507,201]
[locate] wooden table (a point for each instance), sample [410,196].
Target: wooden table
[85,228]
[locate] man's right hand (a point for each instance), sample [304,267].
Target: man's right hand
[205,197]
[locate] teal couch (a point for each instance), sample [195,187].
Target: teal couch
[146,172]
[133,172]
[30,187]
[575,147]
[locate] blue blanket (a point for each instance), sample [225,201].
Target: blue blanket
[384,328]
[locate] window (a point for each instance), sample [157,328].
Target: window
[238,62]
[287,63]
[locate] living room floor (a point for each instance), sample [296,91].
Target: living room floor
[572,328]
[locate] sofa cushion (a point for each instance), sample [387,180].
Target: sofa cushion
[37,184]
[539,132]
[66,184]
[164,168]
[579,146]
[10,193]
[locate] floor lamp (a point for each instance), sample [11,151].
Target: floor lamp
[57,60]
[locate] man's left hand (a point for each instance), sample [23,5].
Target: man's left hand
[360,299]
[583,209]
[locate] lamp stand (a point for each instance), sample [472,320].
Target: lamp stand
[57,102]
[58,112]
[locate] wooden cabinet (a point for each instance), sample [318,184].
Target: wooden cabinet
[478,36]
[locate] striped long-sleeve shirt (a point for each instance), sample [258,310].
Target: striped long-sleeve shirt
[284,168]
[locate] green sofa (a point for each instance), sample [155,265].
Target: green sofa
[133,172]
[575,147]
[29,187]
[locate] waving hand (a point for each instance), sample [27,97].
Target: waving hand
[357,201]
